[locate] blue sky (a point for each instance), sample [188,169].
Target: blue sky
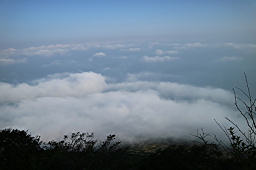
[44,20]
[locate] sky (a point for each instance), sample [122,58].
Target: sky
[45,20]
[139,69]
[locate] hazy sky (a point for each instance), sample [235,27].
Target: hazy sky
[47,20]
[136,68]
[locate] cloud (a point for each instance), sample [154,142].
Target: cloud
[8,52]
[230,58]
[84,101]
[176,91]
[99,54]
[175,48]
[111,46]
[50,50]
[43,50]
[131,49]
[11,61]
[195,45]
[159,59]
[107,68]
[84,83]
[171,52]
[61,49]
[5,59]
[64,48]
[240,46]
[134,49]
[150,76]
[161,52]
[184,46]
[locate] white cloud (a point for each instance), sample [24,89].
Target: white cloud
[99,54]
[177,91]
[43,50]
[131,49]
[240,46]
[134,49]
[61,49]
[159,59]
[8,52]
[159,52]
[112,46]
[107,68]
[171,52]
[6,61]
[230,58]
[195,45]
[184,46]
[49,50]
[86,102]
[150,76]
[73,85]
[12,60]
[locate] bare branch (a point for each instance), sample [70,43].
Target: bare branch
[223,129]
[202,136]
[248,88]
[239,129]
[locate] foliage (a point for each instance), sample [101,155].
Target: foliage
[19,147]
[76,142]
[19,150]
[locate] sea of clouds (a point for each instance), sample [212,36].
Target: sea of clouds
[133,109]
[137,90]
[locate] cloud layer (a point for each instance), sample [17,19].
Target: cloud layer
[60,49]
[158,59]
[99,54]
[43,50]
[84,101]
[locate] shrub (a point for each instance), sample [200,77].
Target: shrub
[17,148]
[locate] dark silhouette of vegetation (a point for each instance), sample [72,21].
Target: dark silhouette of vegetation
[78,151]
[81,151]
[18,149]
